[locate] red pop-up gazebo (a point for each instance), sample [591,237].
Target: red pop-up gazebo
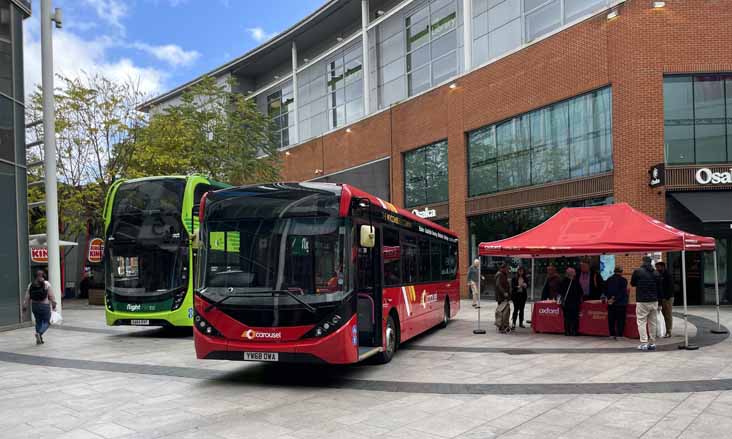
[600,230]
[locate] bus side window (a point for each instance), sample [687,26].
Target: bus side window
[410,259]
[392,253]
[424,260]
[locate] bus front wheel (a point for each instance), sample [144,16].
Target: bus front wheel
[392,340]
[446,315]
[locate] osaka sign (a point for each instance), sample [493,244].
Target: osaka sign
[707,176]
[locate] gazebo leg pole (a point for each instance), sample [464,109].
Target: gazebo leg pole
[719,329]
[479,330]
[686,309]
[531,294]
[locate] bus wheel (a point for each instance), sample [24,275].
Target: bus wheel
[446,314]
[391,335]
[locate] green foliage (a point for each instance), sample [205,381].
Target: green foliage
[212,131]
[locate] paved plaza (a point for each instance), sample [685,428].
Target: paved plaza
[93,381]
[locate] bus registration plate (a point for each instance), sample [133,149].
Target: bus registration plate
[140,322]
[261,356]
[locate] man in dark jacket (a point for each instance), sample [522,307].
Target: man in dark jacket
[666,295]
[571,299]
[617,301]
[645,282]
[553,284]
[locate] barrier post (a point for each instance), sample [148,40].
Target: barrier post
[686,309]
[719,329]
[479,330]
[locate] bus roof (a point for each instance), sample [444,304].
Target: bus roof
[347,193]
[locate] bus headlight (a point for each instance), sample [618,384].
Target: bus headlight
[204,327]
[332,322]
[178,298]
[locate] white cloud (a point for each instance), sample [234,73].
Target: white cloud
[110,11]
[259,35]
[74,55]
[170,53]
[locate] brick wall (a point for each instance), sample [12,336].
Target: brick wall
[631,53]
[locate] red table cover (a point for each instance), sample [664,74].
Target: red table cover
[547,317]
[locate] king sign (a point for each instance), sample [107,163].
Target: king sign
[707,176]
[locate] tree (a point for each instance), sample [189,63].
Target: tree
[213,131]
[96,119]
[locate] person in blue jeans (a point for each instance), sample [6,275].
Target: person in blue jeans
[41,299]
[617,301]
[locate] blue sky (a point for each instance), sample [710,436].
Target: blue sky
[160,43]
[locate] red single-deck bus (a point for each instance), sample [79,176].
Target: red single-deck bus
[317,272]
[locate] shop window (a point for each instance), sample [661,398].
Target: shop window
[425,175]
[564,140]
[697,111]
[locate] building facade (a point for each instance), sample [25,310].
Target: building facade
[493,114]
[14,257]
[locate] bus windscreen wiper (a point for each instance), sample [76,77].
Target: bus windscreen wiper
[307,306]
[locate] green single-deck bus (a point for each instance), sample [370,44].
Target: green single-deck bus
[149,225]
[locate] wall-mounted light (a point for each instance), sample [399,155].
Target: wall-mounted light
[287,153]
[613,15]
[380,13]
[306,60]
[276,76]
[348,130]
[659,5]
[339,39]
[453,86]
[318,171]
[250,92]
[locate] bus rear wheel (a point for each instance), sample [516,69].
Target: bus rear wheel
[446,315]
[392,340]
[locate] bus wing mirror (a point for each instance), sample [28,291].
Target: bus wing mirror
[367,236]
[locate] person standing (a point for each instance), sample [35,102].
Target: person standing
[503,295]
[666,295]
[646,283]
[617,301]
[519,294]
[571,300]
[473,281]
[552,285]
[41,299]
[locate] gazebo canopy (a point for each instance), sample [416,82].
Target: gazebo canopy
[610,229]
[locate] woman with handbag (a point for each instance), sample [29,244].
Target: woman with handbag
[42,301]
[519,295]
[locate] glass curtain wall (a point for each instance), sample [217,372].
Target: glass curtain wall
[425,175]
[330,92]
[698,118]
[14,258]
[565,140]
[417,49]
[278,103]
[501,26]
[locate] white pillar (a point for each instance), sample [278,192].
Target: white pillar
[49,141]
[365,66]
[295,96]
[468,34]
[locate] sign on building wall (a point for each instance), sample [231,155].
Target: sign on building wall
[425,213]
[96,250]
[705,176]
[39,255]
[657,175]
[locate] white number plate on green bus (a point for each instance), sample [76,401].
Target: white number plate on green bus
[261,356]
[140,322]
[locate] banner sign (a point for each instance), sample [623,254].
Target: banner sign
[96,250]
[39,255]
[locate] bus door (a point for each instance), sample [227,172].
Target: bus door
[368,292]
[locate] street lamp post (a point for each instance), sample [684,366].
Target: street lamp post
[49,142]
